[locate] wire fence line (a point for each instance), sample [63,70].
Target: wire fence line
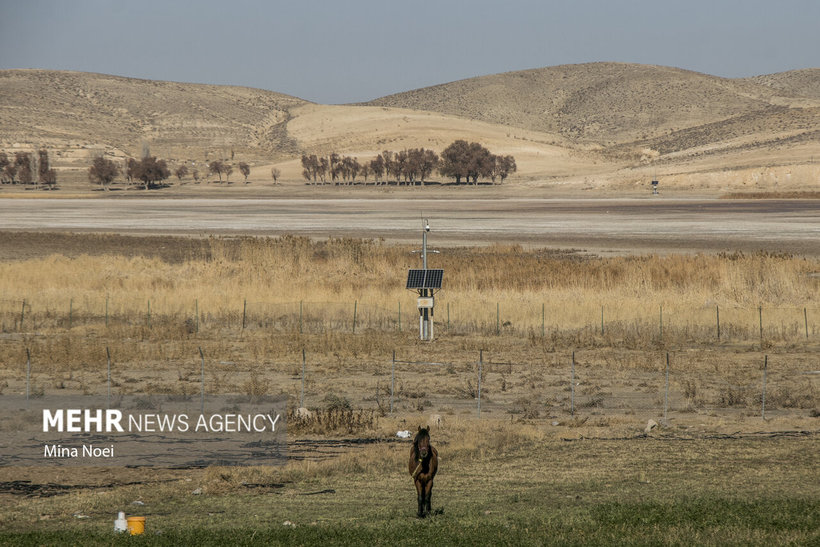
[573,385]
[649,322]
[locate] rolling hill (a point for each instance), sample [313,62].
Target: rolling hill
[601,120]
[614,104]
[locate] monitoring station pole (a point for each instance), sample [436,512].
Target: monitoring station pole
[425,313]
[426,282]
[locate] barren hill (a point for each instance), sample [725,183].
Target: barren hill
[614,103]
[803,83]
[591,123]
[74,109]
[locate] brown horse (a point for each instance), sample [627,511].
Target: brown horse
[423,467]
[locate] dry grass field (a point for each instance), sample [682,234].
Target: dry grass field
[536,466]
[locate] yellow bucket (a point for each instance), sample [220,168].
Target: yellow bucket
[136,525]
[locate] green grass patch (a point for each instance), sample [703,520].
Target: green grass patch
[710,521]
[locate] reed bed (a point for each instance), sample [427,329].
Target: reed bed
[294,284]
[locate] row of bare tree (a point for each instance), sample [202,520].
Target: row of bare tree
[153,172]
[22,168]
[460,161]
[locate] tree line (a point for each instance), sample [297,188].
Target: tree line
[25,168]
[461,161]
[152,172]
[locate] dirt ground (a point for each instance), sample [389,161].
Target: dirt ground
[647,224]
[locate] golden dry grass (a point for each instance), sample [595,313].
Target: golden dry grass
[254,304]
[268,272]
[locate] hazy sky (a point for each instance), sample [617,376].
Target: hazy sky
[337,51]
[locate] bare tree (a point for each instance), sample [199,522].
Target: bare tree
[216,167]
[50,178]
[181,172]
[42,166]
[4,162]
[377,168]
[22,160]
[245,169]
[504,166]
[466,160]
[10,172]
[131,168]
[150,171]
[324,169]
[310,167]
[275,174]
[228,169]
[103,172]
[195,176]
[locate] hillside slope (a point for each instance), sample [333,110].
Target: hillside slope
[613,103]
[59,109]
[590,123]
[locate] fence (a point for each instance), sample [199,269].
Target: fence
[556,386]
[646,322]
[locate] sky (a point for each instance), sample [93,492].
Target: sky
[341,51]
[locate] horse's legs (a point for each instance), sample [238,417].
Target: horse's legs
[420,497]
[428,497]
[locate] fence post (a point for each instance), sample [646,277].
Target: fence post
[302,398]
[448,317]
[22,314]
[196,313]
[602,320]
[70,311]
[392,381]
[202,383]
[760,315]
[497,318]
[765,370]
[806,322]
[244,312]
[717,312]
[661,326]
[106,311]
[300,317]
[108,355]
[666,391]
[480,366]
[28,374]
[572,387]
[149,313]
[355,307]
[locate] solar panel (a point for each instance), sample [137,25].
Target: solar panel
[424,279]
[433,280]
